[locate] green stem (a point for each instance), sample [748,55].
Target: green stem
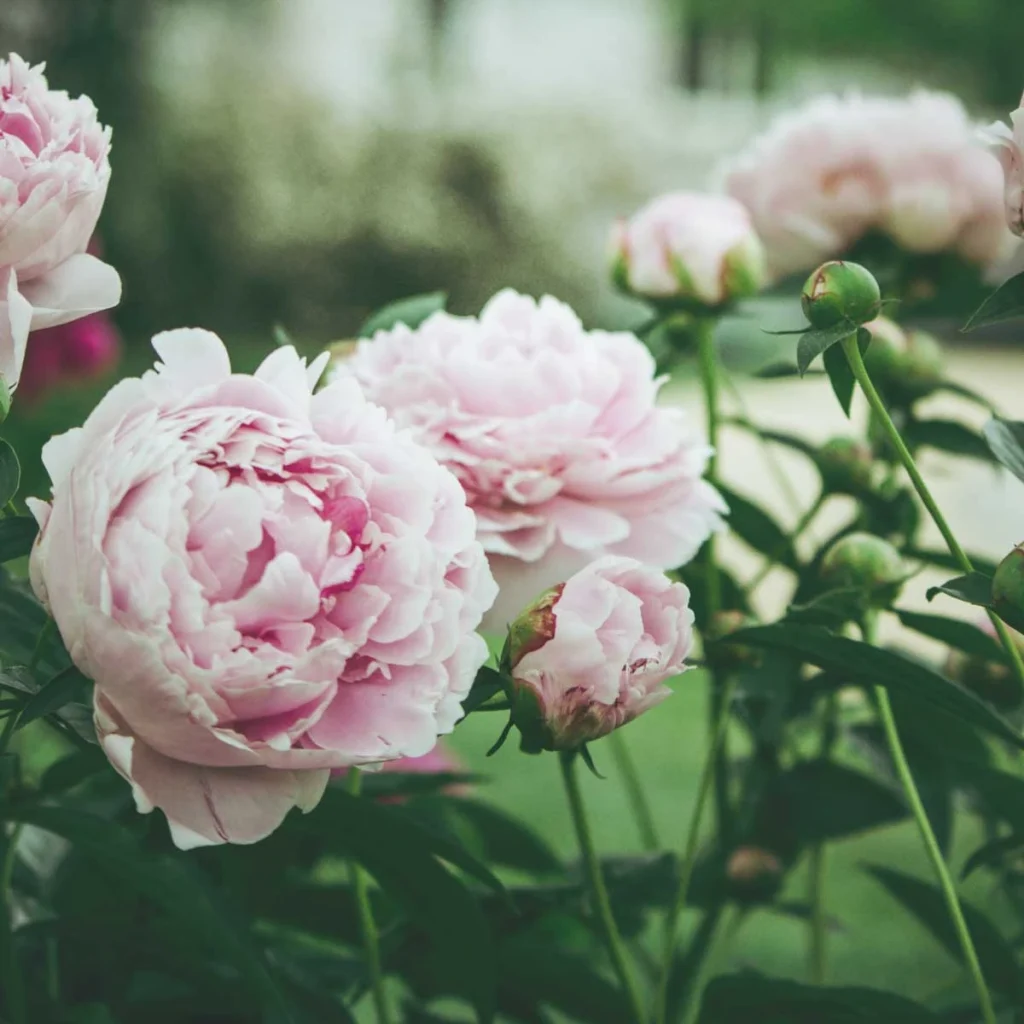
[802,523]
[11,982]
[930,843]
[708,359]
[690,848]
[602,905]
[367,924]
[726,930]
[856,361]
[819,921]
[635,793]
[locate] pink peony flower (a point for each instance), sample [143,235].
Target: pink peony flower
[829,173]
[263,583]
[54,170]
[1007,145]
[594,652]
[553,432]
[80,349]
[689,246]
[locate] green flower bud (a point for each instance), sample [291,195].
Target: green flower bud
[922,366]
[847,466]
[754,873]
[1008,582]
[905,365]
[861,561]
[840,291]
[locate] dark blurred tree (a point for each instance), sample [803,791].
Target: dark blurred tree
[971,46]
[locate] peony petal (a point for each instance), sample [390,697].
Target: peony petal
[75,288]
[15,320]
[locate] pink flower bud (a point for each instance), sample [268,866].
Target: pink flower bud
[593,655]
[690,247]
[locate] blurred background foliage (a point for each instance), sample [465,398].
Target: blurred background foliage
[304,162]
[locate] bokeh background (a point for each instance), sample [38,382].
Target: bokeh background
[302,162]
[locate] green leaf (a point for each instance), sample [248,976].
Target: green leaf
[925,902]
[390,785]
[68,686]
[169,884]
[562,980]
[758,530]
[1001,793]
[1006,440]
[1005,303]
[974,588]
[837,366]
[945,560]
[400,854]
[864,663]
[964,392]
[16,536]
[993,854]
[411,312]
[821,801]
[10,473]
[487,684]
[963,636]
[947,436]
[752,997]
[817,340]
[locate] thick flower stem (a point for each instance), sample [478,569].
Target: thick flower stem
[690,849]
[930,843]
[708,358]
[617,951]
[638,803]
[856,361]
[367,924]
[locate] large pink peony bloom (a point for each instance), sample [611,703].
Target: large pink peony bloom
[553,432]
[1007,145]
[595,652]
[263,583]
[838,168]
[689,246]
[54,170]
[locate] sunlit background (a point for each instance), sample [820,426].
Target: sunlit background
[298,163]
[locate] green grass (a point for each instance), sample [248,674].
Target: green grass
[878,946]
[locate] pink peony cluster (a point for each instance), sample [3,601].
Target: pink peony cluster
[593,653]
[554,433]
[54,170]
[826,175]
[264,583]
[1007,145]
[689,247]
[80,349]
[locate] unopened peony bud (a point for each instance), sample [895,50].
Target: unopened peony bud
[728,656]
[754,872]
[688,247]
[593,654]
[1008,582]
[846,466]
[905,365]
[861,561]
[838,292]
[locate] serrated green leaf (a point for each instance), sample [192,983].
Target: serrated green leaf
[817,340]
[1005,303]
[10,473]
[752,997]
[411,312]
[16,536]
[1006,441]
[926,903]
[870,665]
